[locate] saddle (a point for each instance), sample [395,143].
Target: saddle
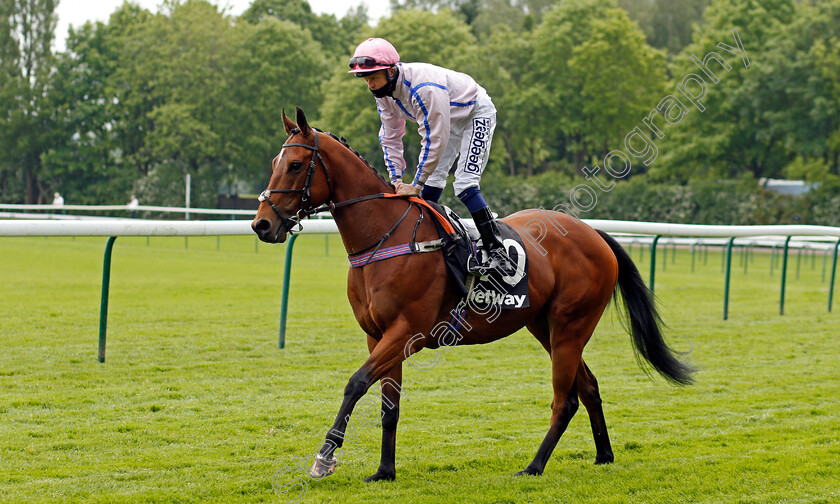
[463,244]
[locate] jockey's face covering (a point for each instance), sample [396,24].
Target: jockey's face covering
[388,88]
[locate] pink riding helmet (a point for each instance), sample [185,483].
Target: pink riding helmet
[373,54]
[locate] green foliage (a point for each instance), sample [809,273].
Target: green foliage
[719,202]
[812,170]
[27,119]
[335,37]
[278,66]
[739,129]
[139,101]
[592,67]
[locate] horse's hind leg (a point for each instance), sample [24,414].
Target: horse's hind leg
[587,387]
[567,339]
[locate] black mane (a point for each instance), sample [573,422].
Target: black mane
[343,141]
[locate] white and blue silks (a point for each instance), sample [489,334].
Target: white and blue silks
[454,116]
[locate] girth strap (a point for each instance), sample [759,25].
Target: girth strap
[357,261]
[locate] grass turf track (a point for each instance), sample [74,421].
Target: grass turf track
[195,403]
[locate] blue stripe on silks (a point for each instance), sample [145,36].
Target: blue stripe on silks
[428,135]
[389,164]
[456,104]
[425,122]
[404,110]
[424,84]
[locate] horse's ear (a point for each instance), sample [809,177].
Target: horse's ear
[302,124]
[289,125]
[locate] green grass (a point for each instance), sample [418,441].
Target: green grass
[195,403]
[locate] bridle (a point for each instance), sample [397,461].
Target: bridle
[306,209]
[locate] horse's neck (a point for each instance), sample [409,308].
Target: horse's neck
[364,223]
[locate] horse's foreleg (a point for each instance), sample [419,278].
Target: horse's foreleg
[391,390]
[591,399]
[387,354]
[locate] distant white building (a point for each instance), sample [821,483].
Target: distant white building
[782,186]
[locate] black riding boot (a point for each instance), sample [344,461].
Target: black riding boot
[492,244]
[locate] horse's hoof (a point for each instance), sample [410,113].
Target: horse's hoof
[604,459]
[322,467]
[528,471]
[381,476]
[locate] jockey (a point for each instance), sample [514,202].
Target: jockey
[456,118]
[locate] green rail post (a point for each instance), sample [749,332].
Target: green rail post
[833,272]
[723,260]
[825,263]
[747,256]
[653,260]
[798,262]
[784,274]
[693,250]
[284,303]
[103,306]
[726,281]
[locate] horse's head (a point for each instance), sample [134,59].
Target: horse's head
[296,187]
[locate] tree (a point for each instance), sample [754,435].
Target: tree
[506,54]
[25,65]
[738,130]
[334,36]
[467,9]
[825,54]
[671,23]
[82,159]
[278,65]
[594,76]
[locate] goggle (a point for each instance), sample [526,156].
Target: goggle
[363,62]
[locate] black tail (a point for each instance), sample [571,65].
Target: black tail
[644,319]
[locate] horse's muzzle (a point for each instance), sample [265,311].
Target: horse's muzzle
[269,232]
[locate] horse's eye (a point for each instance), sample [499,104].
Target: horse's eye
[295,166]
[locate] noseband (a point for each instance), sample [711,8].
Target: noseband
[306,209]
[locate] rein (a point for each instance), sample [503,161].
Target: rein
[307,210]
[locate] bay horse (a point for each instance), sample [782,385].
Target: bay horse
[399,303]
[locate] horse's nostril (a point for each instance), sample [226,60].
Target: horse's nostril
[262,226]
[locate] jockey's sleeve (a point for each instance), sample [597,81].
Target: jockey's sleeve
[433,100]
[390,138]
